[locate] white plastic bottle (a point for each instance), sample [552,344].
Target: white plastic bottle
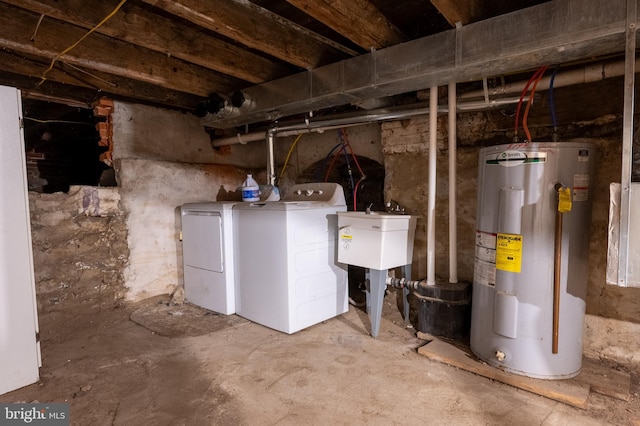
[250,189]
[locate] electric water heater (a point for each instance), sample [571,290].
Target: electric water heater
[531,257]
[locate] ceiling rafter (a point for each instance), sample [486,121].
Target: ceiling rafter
[463,11]
[105,54]
[256,28]
[358,20]
[86,86]
[137,26]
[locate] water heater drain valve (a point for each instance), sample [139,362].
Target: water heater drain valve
[500,356]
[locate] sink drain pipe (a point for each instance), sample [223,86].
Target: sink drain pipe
[404,283]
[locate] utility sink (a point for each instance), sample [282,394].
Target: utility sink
[376,240]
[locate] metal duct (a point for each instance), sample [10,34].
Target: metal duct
[553,32]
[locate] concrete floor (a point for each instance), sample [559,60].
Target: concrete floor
[115,372]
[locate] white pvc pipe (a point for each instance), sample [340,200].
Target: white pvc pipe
[453,228]
[431,200]
[587,74]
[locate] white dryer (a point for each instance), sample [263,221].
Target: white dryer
[287,274]
[208,255]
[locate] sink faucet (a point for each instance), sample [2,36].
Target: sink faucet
[368,209]
[394,207]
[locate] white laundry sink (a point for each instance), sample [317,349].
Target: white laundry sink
[376,240]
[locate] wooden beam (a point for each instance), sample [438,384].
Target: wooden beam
[358,20]
[463,11]
[568,391]
[104,54]
[74,83]
[152,31]
[257,28]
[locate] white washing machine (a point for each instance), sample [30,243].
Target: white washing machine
[208,256]
[287,274]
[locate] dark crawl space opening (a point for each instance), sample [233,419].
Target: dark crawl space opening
[61,147]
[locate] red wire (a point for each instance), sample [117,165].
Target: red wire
[355,159]
[526,111]
[362,175]
[524,92]
[333,160]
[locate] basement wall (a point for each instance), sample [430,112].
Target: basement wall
[163,159]
[79,242]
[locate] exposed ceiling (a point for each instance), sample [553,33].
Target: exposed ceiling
[175,53]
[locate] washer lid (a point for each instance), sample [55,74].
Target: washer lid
[288,206]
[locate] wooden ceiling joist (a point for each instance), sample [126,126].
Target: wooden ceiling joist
[152,31]
[463,11]
[256,28]
[105,54]
[358,20]
[90,85]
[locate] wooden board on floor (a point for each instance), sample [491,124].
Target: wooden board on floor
[570,392]
[605,380]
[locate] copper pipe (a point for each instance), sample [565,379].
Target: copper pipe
[556,281]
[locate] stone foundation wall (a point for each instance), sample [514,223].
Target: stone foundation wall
[80,248]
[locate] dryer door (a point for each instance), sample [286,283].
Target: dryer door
[202,240]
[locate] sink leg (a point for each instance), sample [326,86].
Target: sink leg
[367,292]
[406,269]
[378,286]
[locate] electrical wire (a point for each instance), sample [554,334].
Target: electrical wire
[362,175]
[531,96]
[346,159]
[324,163]
[58,121]
[68,49]
[344,145]
[286,161]
[355,159]
[333,160]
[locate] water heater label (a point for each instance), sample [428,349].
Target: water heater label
[580,187]
[512,158]
[485,262]
[509,252]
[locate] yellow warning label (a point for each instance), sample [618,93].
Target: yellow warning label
[509,252]
[564,200]
[346,237]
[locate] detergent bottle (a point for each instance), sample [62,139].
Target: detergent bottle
[250,189]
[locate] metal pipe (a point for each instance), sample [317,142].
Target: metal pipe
[271,161]
[557,263]
[351,120]
[588,74]
[431,200]
[338,122]
[402,283]
[453,228]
